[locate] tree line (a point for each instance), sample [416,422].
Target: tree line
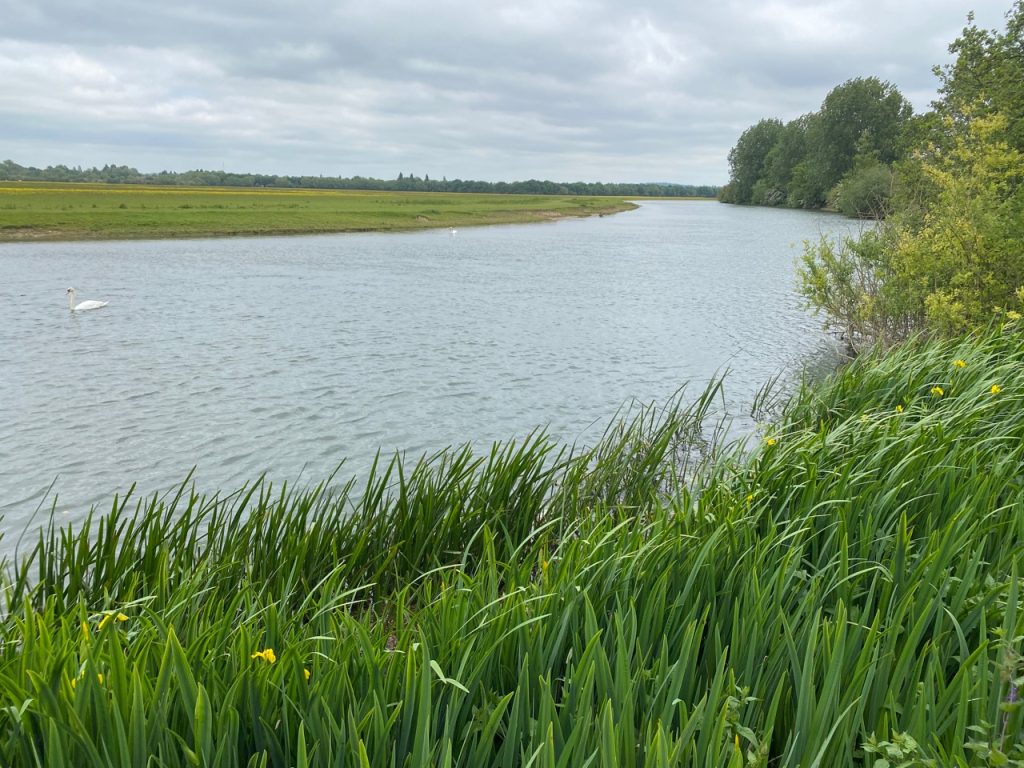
[122,174]
[949,256]
[840,156]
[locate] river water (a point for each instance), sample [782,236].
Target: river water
[286,355]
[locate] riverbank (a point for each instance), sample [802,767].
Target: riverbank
[847,584]
[31,211]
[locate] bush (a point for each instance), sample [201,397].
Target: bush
[864,192]
[944,264]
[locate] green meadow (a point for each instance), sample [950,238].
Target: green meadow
[58,211]
[842,589]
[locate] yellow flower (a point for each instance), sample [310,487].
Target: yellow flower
[544,565]
[267,655]
[938,391]
[100,678]
[959,363]
[770,442]
[109,617]
[899,409]
[864,418]
[1011,315]
[750,497]
[995,389]
[305,672]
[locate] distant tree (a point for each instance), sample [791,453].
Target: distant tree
[859,125]
[747,158]
[864,116]
[10,170]
[789,150]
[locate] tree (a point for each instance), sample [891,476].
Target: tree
[859,127]
[789,150]
[747,158]
[945,269]
[862,117]
[987,76]
[964,255]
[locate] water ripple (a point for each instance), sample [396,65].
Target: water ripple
[324,347]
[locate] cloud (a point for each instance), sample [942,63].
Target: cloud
[560,89]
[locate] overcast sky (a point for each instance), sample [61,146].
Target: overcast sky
[591,90]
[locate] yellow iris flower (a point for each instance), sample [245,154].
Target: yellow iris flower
[267,654]
[109,617]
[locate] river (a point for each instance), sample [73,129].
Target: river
[286,355]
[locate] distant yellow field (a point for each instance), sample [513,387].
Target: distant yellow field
[57,211]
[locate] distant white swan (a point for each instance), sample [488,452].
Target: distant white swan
[85,304]
[453,230]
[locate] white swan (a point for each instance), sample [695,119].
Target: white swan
[85,304]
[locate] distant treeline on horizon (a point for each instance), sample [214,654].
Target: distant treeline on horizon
[122,174]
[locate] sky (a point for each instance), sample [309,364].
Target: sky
[567,90]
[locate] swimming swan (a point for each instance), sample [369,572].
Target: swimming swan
[85,304]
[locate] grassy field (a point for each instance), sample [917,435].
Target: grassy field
[843,590]
[50,211]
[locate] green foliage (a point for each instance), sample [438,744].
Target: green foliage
[727,194]
[805,187]
[855,283]
[122,174]
[901,752]
[945,267]
[747,159]
[785,155]
[987,76]
[951,254]
[863,117]
[776,604]
[964,256]
[864,192]
[858,128]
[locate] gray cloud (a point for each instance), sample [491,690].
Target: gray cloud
[559,89]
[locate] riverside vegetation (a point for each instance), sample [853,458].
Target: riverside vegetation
[842,590]
[949,255]
[59,211]
[862,152]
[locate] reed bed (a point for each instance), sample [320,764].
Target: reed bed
[843,589]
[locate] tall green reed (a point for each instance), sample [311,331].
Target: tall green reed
[843,588]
